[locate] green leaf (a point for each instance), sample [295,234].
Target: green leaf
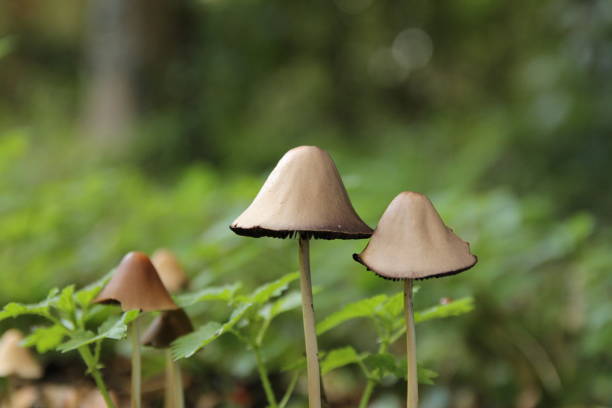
[383,364]
[190,344]
[45,338]
[288,302]
[426,376]
[362,308]
[86,295]
[339,358]
[186,346]
[266,292]
[114,328]
[454,308]
[65,302]
[224,293]
[18,309]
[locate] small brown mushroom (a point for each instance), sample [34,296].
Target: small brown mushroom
[16,361]
[412,242]
[136,285]
[169,269]
[166,328]
[304,196]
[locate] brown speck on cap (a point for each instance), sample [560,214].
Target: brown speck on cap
[304,195]
[169,270]
[136,285]
[15,359]
[412,242]
[166,328]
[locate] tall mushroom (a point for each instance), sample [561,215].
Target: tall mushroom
[136,285]
[304,196]
[16,360]
[166,328]
[412,242]
[169,270]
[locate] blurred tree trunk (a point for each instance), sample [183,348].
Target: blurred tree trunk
[112,57]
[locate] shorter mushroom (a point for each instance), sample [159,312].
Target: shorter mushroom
[136,285]
[16,361]
[169,269]
[412,242]
[166,328]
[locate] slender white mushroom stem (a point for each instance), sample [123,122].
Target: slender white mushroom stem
[170,382]
[412,398]
[310,334]
[178,386]
[136,369]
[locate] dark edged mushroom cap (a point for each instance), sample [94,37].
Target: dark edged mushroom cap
[412,242]
[136,285]
[303,195]
[15,359]
[169,270]
[166,328]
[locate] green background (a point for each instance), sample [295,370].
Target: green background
[501,112]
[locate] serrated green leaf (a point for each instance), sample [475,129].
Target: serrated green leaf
[454,308]
[383,364]
[186,346]
[190,344]
[86,295]
[45,338]
[65,302]
[286,303]
[362,308]
[224,293]
[270,290]
[426,376]
[114,328]
[339,358]
[18,309]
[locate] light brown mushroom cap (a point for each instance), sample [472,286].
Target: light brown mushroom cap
[166,328]
[169,270]
[15,359]
[304,194]
[136,285]
[412,242]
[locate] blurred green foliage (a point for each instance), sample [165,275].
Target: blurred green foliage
[499,111]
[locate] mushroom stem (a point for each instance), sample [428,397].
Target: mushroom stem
[310,335]
[170,383]
[412,400]
[136,374]
[178,386]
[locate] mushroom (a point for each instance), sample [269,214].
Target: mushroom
[16,360]
[412,242]
[166,328]
[136,285]
[169,269]
[304,197]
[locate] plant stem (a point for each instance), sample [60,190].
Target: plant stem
[91,364]
[367,394]
[371,384]
[289,391]
[136,374]
[310,334]
[263,374]
[412,394]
